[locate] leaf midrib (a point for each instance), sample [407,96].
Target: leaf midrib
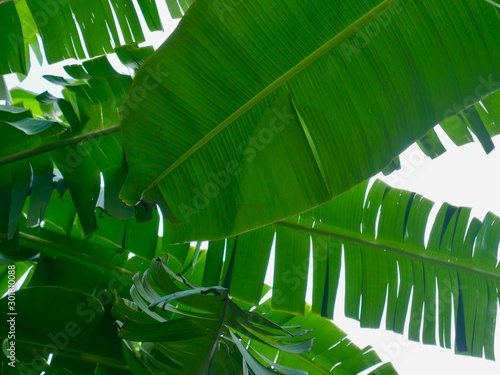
[54,249]
[344,34]
[405,249]
[57,145]
[76,354]
[206,361]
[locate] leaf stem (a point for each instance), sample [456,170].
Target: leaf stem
[405,250]
[54,249]
[56,145]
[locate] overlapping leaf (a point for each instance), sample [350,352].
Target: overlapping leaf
[442,288]
[77,134]
[480,119]
[73,29]
[64,304]
[255,119]
[175,328]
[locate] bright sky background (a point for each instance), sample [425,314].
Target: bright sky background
[464,176]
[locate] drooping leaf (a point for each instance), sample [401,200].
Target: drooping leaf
[380,231]
[76,134]
[180,341]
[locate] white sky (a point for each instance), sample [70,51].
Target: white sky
[464,176]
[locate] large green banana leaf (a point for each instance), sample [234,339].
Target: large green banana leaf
[87,145]
[74,28]
[275,107]
[379,233]
[77,147]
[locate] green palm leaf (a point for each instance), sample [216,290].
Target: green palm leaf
[451,279]
[77,134]
[73,29]
[255,119]
[480,119]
